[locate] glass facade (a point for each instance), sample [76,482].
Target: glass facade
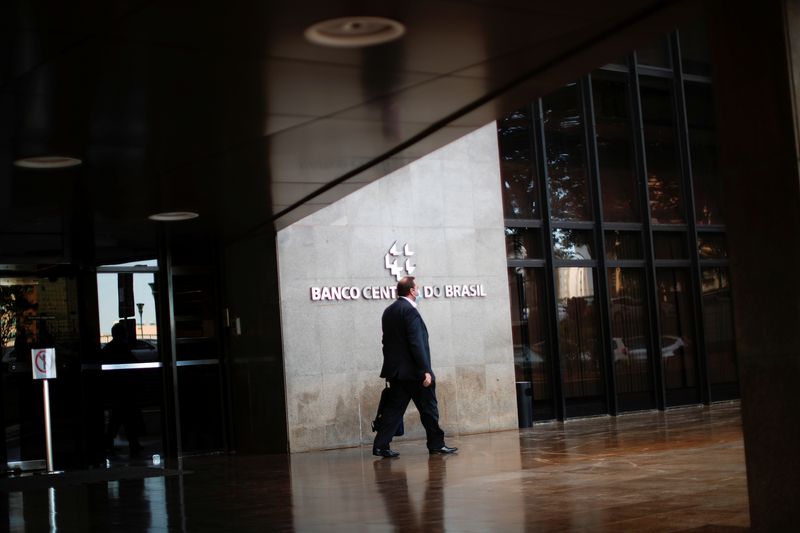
[615,238]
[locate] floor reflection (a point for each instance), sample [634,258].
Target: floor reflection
[120,505]
[392,483]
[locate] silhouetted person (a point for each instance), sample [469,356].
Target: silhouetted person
[121,391]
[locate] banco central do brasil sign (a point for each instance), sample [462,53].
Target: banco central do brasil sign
[389,292]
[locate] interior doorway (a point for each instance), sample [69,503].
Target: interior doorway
[131,364]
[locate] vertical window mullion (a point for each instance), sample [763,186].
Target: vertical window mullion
[600,273]
[650,278]
[689,205]
[547,242]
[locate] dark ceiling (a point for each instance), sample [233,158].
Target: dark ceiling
[223,107]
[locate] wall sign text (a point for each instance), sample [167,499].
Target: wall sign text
[343,293]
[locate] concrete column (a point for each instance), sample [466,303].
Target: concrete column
[756,51]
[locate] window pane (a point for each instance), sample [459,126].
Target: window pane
[630,338]
[720,340]
[523,243]
[712,245]
[622,245]
[566,155]
[532,358]
[517,166]
[663,166]
[670,245]
[138,316]
[132,397]
[579,343]
[695,56]
[572,244]
[619,186]
[655,55]
[703,143]
[40,312]
[678,357]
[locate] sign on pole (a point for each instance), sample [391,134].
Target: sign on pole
[43,363]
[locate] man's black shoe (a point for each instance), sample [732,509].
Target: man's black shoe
[384,453]
[444,450]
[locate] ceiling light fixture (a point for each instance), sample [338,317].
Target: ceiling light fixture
[48,162]
[354,32]
[173,216]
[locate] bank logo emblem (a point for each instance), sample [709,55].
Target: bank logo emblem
[392,261]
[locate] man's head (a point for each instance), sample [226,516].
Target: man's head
[118,332]
[407,287]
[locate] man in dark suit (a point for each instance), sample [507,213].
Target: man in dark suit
[407,367]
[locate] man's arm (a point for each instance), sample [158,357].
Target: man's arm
[416,341]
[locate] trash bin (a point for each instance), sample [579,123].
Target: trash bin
[525,404]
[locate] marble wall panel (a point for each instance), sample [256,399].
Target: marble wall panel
[447,207]
[473,401]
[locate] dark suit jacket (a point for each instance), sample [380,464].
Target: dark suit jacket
[406,353]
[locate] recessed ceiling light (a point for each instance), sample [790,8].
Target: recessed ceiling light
[48,161]
[173,216]
[354,32]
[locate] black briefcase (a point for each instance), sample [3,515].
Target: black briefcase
[376,424]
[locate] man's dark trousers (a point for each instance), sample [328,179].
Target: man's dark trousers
[424,399]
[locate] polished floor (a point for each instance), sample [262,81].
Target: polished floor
[678,471]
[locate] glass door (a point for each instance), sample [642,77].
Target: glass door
[131,364]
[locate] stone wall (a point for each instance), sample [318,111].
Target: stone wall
[447,208]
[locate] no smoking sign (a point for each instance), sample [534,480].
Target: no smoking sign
[43,363]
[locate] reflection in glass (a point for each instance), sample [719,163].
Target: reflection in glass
[719,335]
[678,355]
[663,165]
[703,144]
[695,55]
[712,245]
[532,359]
[670,245]
[196,342]
[517,168]
[619,62]
[572,244]
[523,243]
[36,313]
[579,342]
[618,180]
[566,155]
[622,245]
[655,55]
[630,338]
[194,314]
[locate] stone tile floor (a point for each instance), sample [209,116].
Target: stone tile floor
[676,471]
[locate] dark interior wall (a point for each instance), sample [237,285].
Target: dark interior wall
[753,61]
[255,359]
